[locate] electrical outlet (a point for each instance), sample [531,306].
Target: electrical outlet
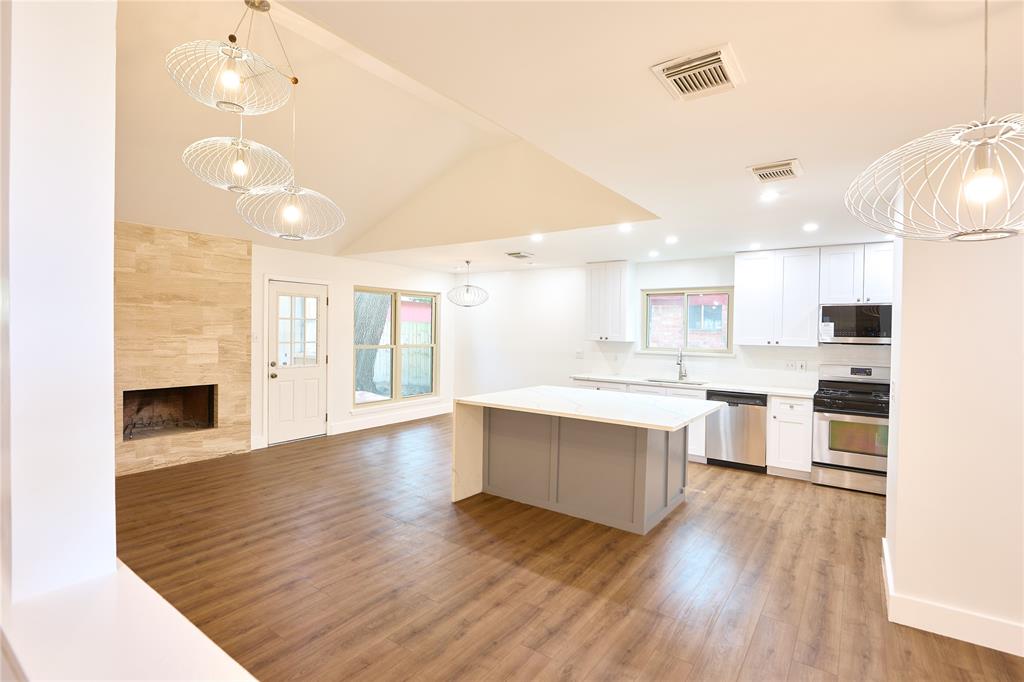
[801,365]
[791,365]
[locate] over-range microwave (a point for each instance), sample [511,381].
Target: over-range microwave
[855,323]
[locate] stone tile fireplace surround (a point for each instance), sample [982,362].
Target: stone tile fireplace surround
[182,311]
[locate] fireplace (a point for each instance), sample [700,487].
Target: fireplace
[155,412]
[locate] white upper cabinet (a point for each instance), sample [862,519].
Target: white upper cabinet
[754,298]
[796,275]
[879,268]
[857,273]
[610,301]
[776,298]
[842,274]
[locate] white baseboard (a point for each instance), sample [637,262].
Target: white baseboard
[951,621]
[374,418]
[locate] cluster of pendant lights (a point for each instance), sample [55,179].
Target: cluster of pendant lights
[962,183]
[234,79]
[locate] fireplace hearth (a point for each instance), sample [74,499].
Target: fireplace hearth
[153,412]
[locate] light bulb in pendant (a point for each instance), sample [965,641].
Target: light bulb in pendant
[230,79]
[291,213]
[983,186]
[239,168]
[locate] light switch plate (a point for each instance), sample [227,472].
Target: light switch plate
[579,355]
[791,365]
[801,365]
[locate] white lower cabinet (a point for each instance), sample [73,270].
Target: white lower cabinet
[600,385]
[695,447]
[789,435]
[650,390]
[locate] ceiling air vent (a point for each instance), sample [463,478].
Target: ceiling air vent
[700,74]
[519,255]
[777,170]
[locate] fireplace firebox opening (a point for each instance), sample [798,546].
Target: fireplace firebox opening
[154,412]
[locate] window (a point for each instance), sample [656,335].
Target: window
[385,350]
[696,320]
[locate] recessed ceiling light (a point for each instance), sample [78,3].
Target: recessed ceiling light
[537,237]
[625,228]
[810,227]
[652,254]
[671,239]
[769,195]
[754,246]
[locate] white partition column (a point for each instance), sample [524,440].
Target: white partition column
[58,449]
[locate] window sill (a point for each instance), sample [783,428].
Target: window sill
[687,354]
[391,405]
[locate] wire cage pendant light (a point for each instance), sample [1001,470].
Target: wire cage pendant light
[962,183]
[467,295]
[229,77]
[290,212]
[237,164]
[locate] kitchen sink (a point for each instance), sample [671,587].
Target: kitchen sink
[683,382]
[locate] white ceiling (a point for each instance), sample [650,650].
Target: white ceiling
[835,84]
[362,140]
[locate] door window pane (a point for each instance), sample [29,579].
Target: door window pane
[373,375]
[417,320]
[310,308]
[665,320]
[297,307]
[417,371]
[707,319]
[284,306]
[372,318]
[284,354]
[284,331]
[297,331]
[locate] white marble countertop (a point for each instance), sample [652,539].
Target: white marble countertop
[790,391]
[639,410]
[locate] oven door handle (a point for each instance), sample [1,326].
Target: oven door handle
[858,418]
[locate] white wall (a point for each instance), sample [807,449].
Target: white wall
[341,275]
[955,505]
[531,331]
[58,448]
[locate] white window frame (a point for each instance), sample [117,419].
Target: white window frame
[396,347]
[685,291]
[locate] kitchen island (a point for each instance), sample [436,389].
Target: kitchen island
[618,459]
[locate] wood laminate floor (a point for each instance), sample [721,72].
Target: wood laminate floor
[342,558]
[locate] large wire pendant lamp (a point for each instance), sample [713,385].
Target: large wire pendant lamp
[290,211]
[228,77]
[467,295]
[237,164]
[962,183]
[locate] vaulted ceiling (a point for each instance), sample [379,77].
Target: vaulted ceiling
[547,118]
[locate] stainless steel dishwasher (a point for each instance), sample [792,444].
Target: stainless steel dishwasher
[736,433]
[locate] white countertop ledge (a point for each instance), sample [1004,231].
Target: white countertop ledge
[659,412]
[791,391]
[115,627]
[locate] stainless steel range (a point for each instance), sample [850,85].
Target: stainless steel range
[851,428]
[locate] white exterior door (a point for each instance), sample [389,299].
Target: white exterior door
[297,361]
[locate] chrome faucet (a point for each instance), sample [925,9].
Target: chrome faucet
[682,365]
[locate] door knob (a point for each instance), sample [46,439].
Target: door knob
[273,375]
[273,363]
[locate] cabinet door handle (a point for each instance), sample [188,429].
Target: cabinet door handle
[867,299]
[774,417]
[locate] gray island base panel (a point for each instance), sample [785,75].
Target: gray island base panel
[626,477]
